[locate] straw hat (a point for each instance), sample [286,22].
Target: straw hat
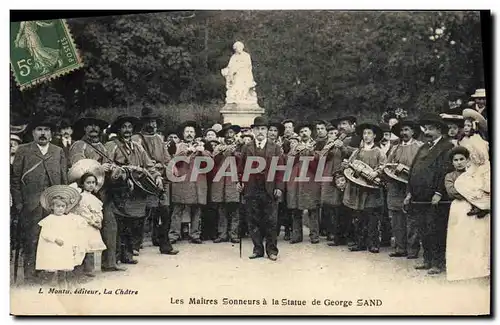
[69,194]
[480,93]
[475,115]
[87,166]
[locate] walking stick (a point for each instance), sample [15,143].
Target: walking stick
[18,248]
[240,228]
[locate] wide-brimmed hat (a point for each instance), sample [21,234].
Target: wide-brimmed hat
[18,129]
[396,128]
[330,126]
[228,126]
[64,123]
[279,126]
[453,116]
[351,118]
[476,116]
[259,121]
[433,119]
[216,127]
[41,120]
[69,194]
[117,124]
[88,119]
[372,125]
[147,114]
[193,124]
[480,93]
[83,166]
[303,125]
[15,137]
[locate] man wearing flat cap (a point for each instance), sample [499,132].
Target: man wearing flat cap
[426,194]
[158,207]
[128,201]
[37,166]
[401,154]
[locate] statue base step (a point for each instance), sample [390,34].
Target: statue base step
[241,114]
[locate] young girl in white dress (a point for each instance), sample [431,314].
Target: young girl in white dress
[60,247]
[90,209]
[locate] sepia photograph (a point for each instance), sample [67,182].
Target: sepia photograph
[250,162]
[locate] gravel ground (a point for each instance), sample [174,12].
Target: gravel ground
[304,272]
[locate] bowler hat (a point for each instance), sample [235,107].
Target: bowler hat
[228,126]
[433,119]
[385,127]
[117,124]
[41,120]
[396,128]
[259,121]
[372,126]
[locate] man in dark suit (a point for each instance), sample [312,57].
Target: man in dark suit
[65,141]
[37,166]
[426,192]
[261,194]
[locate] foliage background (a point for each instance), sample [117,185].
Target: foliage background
[307,64]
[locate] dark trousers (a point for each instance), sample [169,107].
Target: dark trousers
[209,221]
[284,218]
[262,218]
[366,228]
[194,212]
[129,230]
[297,222]
[385,223]
[399,230]
[341,223]
[229,220]
[109,233]
[88,263]
[163,228]
[325,220]
[433,224]
[413,234]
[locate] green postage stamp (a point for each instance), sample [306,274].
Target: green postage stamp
[41,50]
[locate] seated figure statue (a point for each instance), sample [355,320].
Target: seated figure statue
[239,77]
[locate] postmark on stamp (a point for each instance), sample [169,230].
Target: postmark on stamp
[41,50]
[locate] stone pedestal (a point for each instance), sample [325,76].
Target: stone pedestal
[241,114]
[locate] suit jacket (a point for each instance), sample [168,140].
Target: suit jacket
[271,150]
[29,170]
[428,171]
[58,142]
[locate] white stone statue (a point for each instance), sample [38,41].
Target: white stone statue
[239,77]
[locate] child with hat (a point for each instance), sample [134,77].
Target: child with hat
[60,247]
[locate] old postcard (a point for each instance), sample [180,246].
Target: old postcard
[310,162]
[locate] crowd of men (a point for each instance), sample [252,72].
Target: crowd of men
[225,209]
